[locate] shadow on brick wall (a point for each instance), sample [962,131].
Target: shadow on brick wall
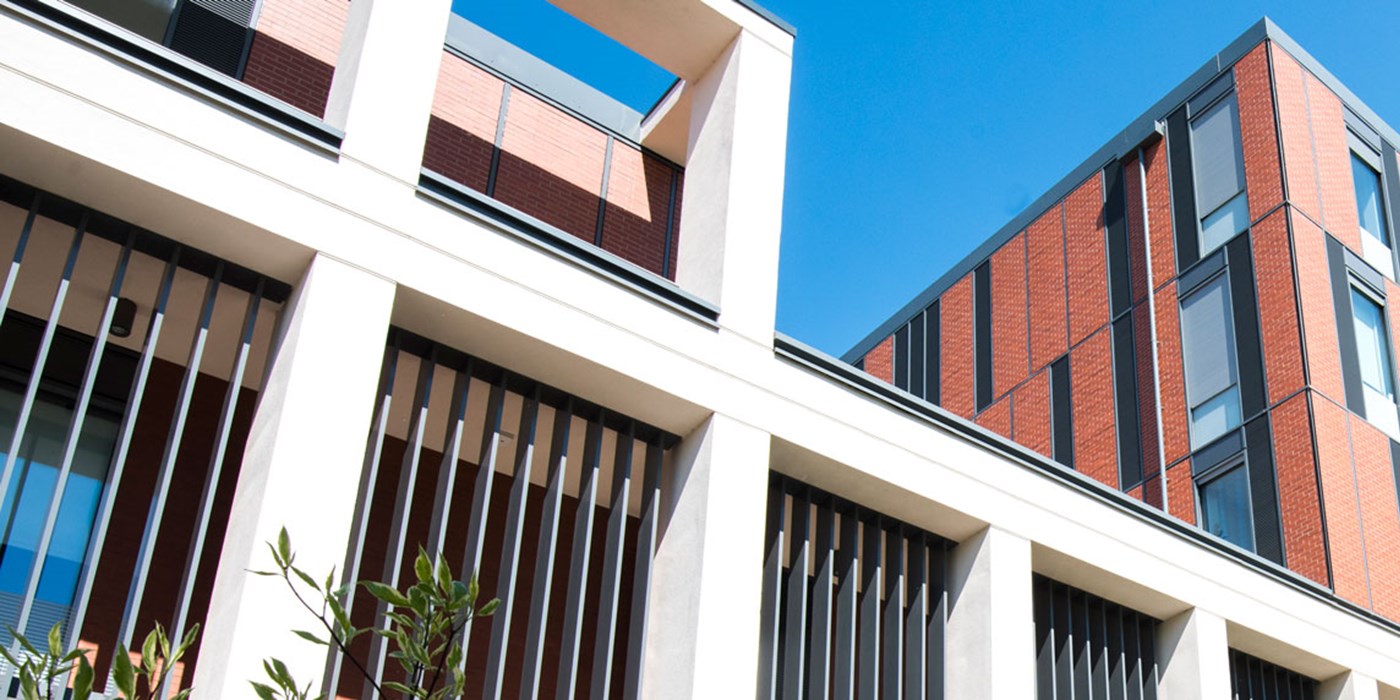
[643,240]
[288,74]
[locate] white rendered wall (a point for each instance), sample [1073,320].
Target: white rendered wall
[1193,653]
[300,471]
[991,619]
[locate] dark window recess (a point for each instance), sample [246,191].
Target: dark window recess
[982,337]
[216,33]
[1088,647]
[1061,425]
[1256,679]
[1246,312]
[1184,223]
[916,356]
[1391,185]
[933,359]
[1268,533]
[1125,401]
[860,364]
[901,358]
[870,615]
[1120,288]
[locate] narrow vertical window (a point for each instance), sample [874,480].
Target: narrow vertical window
[982,336]
[916,356]
[933,364]
[1375,238]
[1374,361]
[1061,426]
[1218,165]
[1208,349]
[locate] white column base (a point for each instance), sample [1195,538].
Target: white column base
[1349,686]
[991,619]
[1193,652]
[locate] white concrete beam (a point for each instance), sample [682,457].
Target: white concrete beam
[733,202]
[991,619]
[1193,651]
[703,636]
[382,92]
[301,469]
[1349,686]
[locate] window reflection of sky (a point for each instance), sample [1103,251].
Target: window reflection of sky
[30,493]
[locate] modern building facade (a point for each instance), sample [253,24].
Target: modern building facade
[1198,317]
[362,270]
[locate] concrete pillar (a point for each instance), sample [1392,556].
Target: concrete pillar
[1193,652]
[703,631]
[382,92]
[301,469]
[733,200]
[1349,686]
[991,619]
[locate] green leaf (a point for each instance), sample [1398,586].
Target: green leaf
[400,687]
[56,639]
[28,686]
[186,643]
[385,593]
[310,637]
[82,682]
[473,590]
[263,691]
[489,608]
[123,674]
[24,643]
[284,546]
[306,578]
[444,575]
[182,695]
[263,573]
[422,567]
[148,651]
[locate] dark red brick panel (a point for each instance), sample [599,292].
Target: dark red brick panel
[1324,361]
[1258,135]
[879,362]
[1344,539]
[639,194]
[955,314]
[1181,492]
[1298,163]
[1159,213]
[1176,438]
[1086,261]
[1032,420]
[1137,228]
[1010,355]
[1304,543]
[1091,386]
[294,51]
[1380,517]
[997,417]
[1045,243]
[1333,157]
[1278,307]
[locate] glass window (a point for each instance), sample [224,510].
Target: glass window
[1208,352]
[27,500]
[1225,507]
[1375,239]
[1218,164]
[1373,358]
[149,18]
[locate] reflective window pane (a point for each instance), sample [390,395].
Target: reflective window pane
[1372,354]
[1368,200]
[1225,508]
[1224,223]
[1208,351]
[1215,417]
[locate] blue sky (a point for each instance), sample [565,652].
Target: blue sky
[918,128]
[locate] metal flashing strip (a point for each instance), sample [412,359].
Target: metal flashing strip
[550,239]
[543,80]
[178,71]
[836,370]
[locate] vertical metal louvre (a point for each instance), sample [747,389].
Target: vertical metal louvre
[854,602]
[1255,679]
[552,501]
[129,366]
[1089,648]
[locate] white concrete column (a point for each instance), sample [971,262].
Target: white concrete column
[1193,653]
[991,619]
[301,469]
[732,207]
[1349,686]
[703,630]
[382,92]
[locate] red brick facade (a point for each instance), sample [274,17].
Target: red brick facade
[1335,476]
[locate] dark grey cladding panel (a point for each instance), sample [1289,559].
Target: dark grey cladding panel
[1141,130]
[542,79]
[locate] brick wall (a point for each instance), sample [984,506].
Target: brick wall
[1086,262]
[1091,381]
[1324,362]
[1176,437]
[1343,518]
[1380,518]
[955,315]
[550,165]
[1304,543]
[1009,350]
[997,417]
[1032,420]
[1278,306]
[879,362]
[1045,243]
[1295,136]
[295,45]
[1258,134]
[1181,492]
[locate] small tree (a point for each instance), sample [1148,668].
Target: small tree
[424,627]
[40,672]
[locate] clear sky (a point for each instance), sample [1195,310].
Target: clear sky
[919,127]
